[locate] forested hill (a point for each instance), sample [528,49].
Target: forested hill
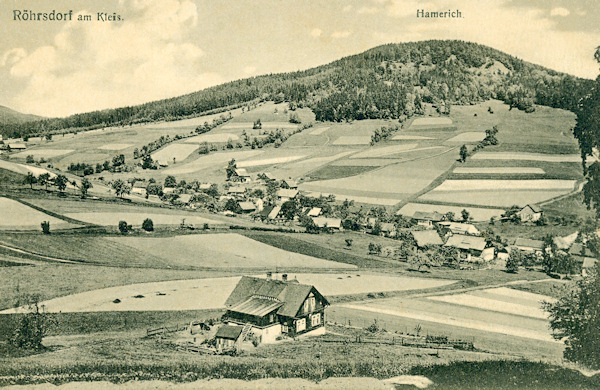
[389,81]
[9,116]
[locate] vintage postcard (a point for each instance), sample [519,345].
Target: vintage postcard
[319,194]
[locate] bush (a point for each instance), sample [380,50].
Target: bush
[148,225]
[46,227]
[124,228]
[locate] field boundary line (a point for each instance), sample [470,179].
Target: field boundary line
[52,213]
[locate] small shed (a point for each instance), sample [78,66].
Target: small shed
[227,337]
[314,212]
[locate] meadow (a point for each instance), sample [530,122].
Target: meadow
[17,216]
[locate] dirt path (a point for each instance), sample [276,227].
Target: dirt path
[38,257]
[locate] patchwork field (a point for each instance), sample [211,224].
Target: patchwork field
[392,182]
[269,161]
[115,146]
[500,170]
[497,198]
[212,138]
[478,214]
[403,137]
[173,153]
[498,310]
[527,156]
[24,169]
[136,219]
[494,185]
[211,293]
[17,216]
[212,161]
[467,137]
[353,140]
[45,153]
[424,122]
[225,250]
[384,151]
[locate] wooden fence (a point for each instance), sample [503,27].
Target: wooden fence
[165,329]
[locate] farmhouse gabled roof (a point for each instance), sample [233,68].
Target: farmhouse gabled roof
[529,243]
[314,212]
[290,183]
[330,222]
[466,242]
[534,207]
[427,237]
[291,295]
[461,228]
[274,212]
[242,172]
[286,193]
[247,206]
[428,216]
[229,332]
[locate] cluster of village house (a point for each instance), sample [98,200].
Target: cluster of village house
[432,228]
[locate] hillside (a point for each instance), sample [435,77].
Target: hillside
[10,116]
[387,82]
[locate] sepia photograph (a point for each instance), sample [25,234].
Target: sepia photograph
[317,194]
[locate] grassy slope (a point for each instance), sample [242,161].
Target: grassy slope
[55,280]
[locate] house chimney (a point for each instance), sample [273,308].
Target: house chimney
[284,277]
[269,275]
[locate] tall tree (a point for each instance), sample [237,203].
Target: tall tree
[587,132]
[86,184]
[575,318]
[61,182]
[30,179]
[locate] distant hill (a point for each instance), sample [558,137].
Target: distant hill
[10,116]
[389,81]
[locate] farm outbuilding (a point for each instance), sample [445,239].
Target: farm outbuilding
[241,175]
[470,245]
[247,207]
[427,219]
[530,213]
[583,255]
[528,245]
[461,228]
[275,307]
[426,238]
[331,223]
[289,184]
[286,194]
[227,337]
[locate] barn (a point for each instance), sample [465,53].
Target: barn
[270,308]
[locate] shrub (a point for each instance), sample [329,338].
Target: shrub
[46,227]
[148,225]
[124,228]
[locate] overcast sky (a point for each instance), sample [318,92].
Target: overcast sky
[164,48]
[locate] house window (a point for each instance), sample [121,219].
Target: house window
[315,320]
[300,325]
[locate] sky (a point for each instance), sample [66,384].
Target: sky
[165,48]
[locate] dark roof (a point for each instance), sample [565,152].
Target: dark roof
[229,332]
[534,207]
[266,211]
[577,249]
[427,237]
[428,216]
[526,242]
[290,294]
